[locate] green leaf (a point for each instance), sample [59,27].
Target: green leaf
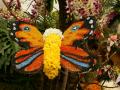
[7,47]
[50,4]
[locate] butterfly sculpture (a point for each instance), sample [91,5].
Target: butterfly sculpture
[31,59]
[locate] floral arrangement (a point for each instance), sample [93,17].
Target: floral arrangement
[105,44]
[80,8]
[52,38]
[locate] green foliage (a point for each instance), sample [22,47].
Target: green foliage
[109,6]
[117,6]
[7,46]
[89,77]
[51,20]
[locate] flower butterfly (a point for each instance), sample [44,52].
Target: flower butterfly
[31,59]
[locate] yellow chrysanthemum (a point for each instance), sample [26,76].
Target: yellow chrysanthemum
[52,55]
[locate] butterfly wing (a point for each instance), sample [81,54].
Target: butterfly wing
[79,30]
[30,59]
[73,33]
[75,59]
[26,35]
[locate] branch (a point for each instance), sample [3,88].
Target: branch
[29,5]
[18,5]
[9,9]
[10,2]
[108,58]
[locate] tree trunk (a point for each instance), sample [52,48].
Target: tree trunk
[62,14]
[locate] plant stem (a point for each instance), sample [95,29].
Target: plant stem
[9,9]
[65,78]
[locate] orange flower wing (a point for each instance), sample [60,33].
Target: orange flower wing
[26,35]
[75,59]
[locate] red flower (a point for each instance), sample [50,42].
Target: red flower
[25,19]
[97,34]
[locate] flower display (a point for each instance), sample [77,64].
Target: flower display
[83,7]
[106,19]
[88,49]
[112,40]
[52,38]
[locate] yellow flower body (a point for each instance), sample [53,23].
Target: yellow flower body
[52,55]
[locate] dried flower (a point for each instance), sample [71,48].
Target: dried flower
[112,40]
[83,7]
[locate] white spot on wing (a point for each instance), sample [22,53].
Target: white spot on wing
[14,28]
[91,21]
[92,26]
[11,34]
[88,18]
[16,39]
[91,32]
[14,24]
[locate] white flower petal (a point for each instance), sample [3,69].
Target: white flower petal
[52,31]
